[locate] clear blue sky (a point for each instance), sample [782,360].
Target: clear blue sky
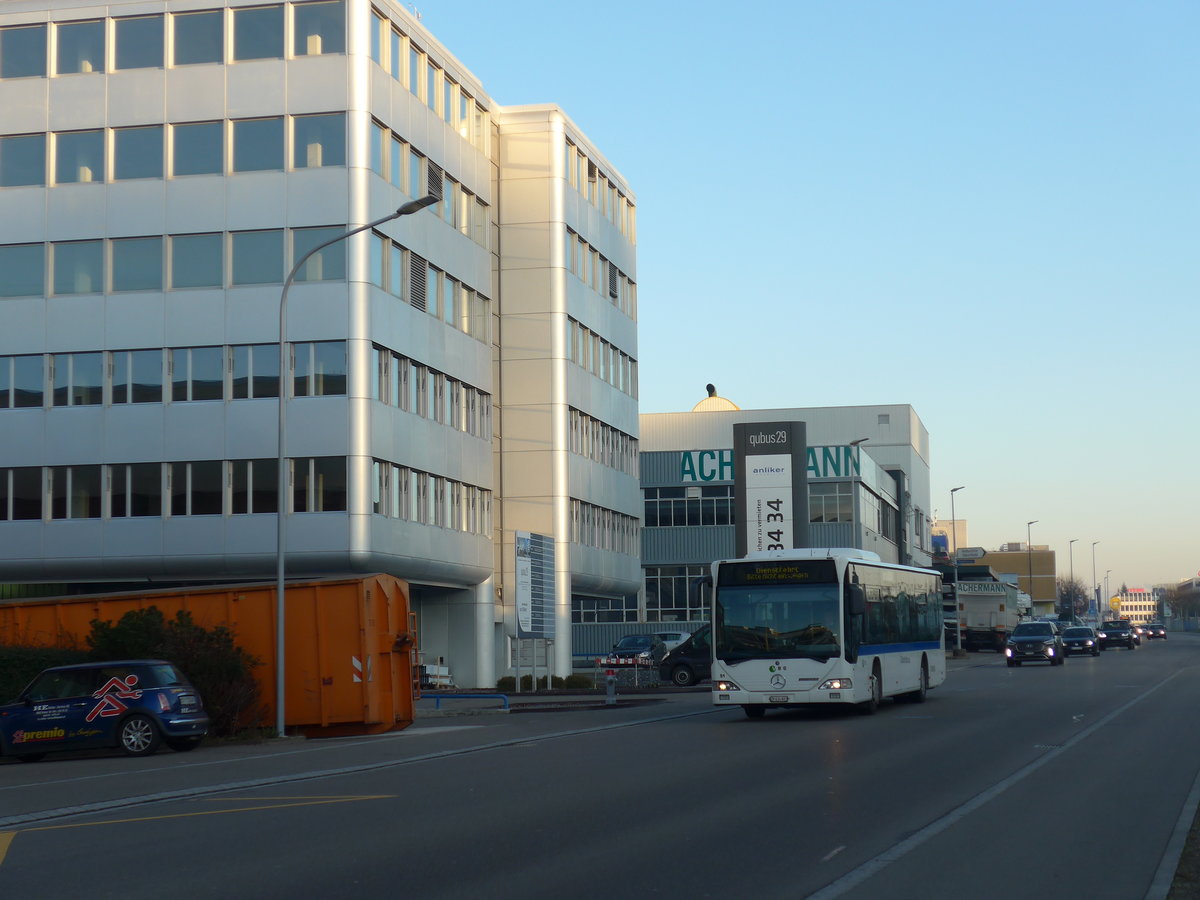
[988,210]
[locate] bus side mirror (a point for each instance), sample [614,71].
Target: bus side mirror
[856,599]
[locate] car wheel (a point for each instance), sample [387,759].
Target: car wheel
[30,757]
[183,745]
[138,736]
[754,712]
[683,676]
[1095,652]
[1012,663]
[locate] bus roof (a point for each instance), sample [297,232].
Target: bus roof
[816,553]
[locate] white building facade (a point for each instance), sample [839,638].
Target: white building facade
[453,376]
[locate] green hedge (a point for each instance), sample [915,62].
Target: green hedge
[19,665]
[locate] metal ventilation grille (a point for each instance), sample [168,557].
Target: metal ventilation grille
[433,174]
[612,281]
[417,269]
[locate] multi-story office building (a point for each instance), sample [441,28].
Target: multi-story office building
[868,487]
[452,376]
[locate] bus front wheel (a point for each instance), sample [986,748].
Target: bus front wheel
[875,686]
[754,712]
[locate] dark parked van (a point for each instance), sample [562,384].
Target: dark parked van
[690,662]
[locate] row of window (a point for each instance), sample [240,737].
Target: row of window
[178,150]
[673,596]
[587,264]
[585,177]
[601,442]
[415,496]
[418,389]
[397,54]
[602,359]
[595,526]
[211,487]
[178,261]
[181,39]
[178,374]
[414,280]
[397,161]
[604,609]
[667,507]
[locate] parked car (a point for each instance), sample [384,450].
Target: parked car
[690,662]
[647,649]
[134,705]
[672,639]
[1156,631]
[1117,633]
[1080,639]
[1035,642]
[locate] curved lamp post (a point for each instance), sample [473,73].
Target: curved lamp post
[282,499]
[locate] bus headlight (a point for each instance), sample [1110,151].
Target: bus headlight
[837,684]
[725,686]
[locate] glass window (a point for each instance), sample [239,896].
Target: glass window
[23,51]
[197,373]
[28,381]
[136,490]
[255,486]
[320,484]
[199,37]
[197,260]
[396,270]
[258,257]
[447,99]
[319,141]
[139,42]
[137,376]
[414,69]
[395,167]
[378,30]
[78,379]
[377,139]
[328,264]
[79,267]
[197,488]
[75,492]
[24,267]
[431,85]
[138,152]
[416,174]
[320,369]
[137,264]
[22,160]
[79,156]
[258,32]
[396,57]
[24,492]
[255,371]
[257,144]
[198,148]
[318,28]
[376,249]
[80,47]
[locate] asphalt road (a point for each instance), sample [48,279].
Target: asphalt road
[1006,783]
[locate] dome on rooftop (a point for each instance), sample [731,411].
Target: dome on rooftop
[713,403]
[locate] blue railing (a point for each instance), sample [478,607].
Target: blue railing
[438,698]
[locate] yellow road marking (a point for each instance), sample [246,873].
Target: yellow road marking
[6,837]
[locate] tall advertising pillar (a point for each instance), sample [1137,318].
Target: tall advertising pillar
[770,485]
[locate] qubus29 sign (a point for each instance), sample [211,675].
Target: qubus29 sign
[770,485]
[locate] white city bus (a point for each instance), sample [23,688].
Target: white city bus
[811,627]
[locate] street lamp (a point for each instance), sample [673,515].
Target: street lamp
[1071,586]
[1029,556]
[958,650]
[1095,606]
[1106,574]
[281,503]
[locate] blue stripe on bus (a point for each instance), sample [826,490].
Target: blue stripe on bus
[877,649]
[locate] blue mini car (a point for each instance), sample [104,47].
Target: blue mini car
[132,704]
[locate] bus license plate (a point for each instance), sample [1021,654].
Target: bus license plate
[779,698]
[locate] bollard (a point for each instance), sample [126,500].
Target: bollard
[610,679]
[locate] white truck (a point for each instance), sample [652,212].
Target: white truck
[988,612]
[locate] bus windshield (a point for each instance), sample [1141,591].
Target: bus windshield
[779,620]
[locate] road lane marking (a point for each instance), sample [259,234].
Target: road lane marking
[6,837]
[832,853]
[872,867]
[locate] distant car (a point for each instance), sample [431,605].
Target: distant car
[647,649]
[1080,639]
[672,639]
[690,662]
[1117,633]
[1140,631]
[1035,642]
[1156,631]
[133,704]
